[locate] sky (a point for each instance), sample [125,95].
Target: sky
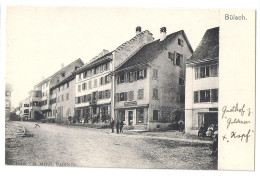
[40,39]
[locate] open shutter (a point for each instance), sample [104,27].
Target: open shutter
[117,97]
[174,59]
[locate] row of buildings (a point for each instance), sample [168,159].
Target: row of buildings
[147,83]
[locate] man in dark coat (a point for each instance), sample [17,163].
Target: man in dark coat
[117,126]
[121,126]
[112,124]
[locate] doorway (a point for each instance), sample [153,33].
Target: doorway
[130,118]
[155,115]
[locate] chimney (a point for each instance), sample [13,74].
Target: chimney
[162,33]
[138,30]
[62,65]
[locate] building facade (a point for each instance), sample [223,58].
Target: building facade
[201,105]
[8,103]
[25,108]
[43,98]
[94,83]
[149,85]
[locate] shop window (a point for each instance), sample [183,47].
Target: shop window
[140,115]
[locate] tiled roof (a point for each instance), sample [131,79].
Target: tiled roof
[106,56]
[100,60]
[58,72]
[208,48]
[149,51]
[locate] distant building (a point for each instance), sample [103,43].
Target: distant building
[202,83]
[94,84]
[25,108]
[149,85]
[43,97]
[8,103]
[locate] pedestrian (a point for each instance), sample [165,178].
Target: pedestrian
[117,126]
[112,124]
[121,126]
[214,149]
[181,125]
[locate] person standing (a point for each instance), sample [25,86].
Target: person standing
[117,126]
[181,125]
[112,124]
[121,126]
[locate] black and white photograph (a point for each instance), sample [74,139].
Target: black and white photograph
[119,87]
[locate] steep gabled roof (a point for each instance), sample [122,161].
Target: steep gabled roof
[208,49]
[149,51]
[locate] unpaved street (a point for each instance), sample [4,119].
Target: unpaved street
[56,145]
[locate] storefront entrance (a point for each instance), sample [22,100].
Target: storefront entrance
[130,118]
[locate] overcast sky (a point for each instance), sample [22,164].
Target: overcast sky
[39,39]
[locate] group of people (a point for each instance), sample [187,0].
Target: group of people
[207,131]
[119,126]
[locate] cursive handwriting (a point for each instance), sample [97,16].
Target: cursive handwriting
[233,109]
[240,136]
[236,121]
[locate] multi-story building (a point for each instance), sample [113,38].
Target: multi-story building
[149,85]
[42,102]
[201,105]
[93,81]
[62,92]
[8,91]
[25,108]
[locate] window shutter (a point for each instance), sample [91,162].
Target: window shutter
[117,97]
[174,59]
[125,96]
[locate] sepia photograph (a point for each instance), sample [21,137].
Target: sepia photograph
[122,87]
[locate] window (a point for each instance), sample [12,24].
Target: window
[47,83]
[7,93]
[108,66]
[79,76]
[89,97]
[84,86]
[179,59]
[94,71]
[90,84]
[205,96]
[26,105]
[90,72]
[214,70]
[196,96]
[141,74]
[214,95]
[155,74]
[123,96]
[180,42]
[131,95]
[26,111]
[79,88]
[62,98]
[101,81]
[68,85]
[117,97]
[155,93]
[67,96]
[100,95]
[196,73]
[63,74]
[181,98]
[132,77]
[107,79]
[140,94]
[85,75]
[121,78]
[171,55]
[107,93]
[94,96]
[95,83]
[206,71]
[181,81]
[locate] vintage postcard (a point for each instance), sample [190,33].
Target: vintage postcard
[121,87]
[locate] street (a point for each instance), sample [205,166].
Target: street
[60,145]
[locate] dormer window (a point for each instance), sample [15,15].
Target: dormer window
[63,74]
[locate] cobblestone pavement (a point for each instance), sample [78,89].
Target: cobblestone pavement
[55,145]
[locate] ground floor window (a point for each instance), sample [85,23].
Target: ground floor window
[140,115]
[207,119]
